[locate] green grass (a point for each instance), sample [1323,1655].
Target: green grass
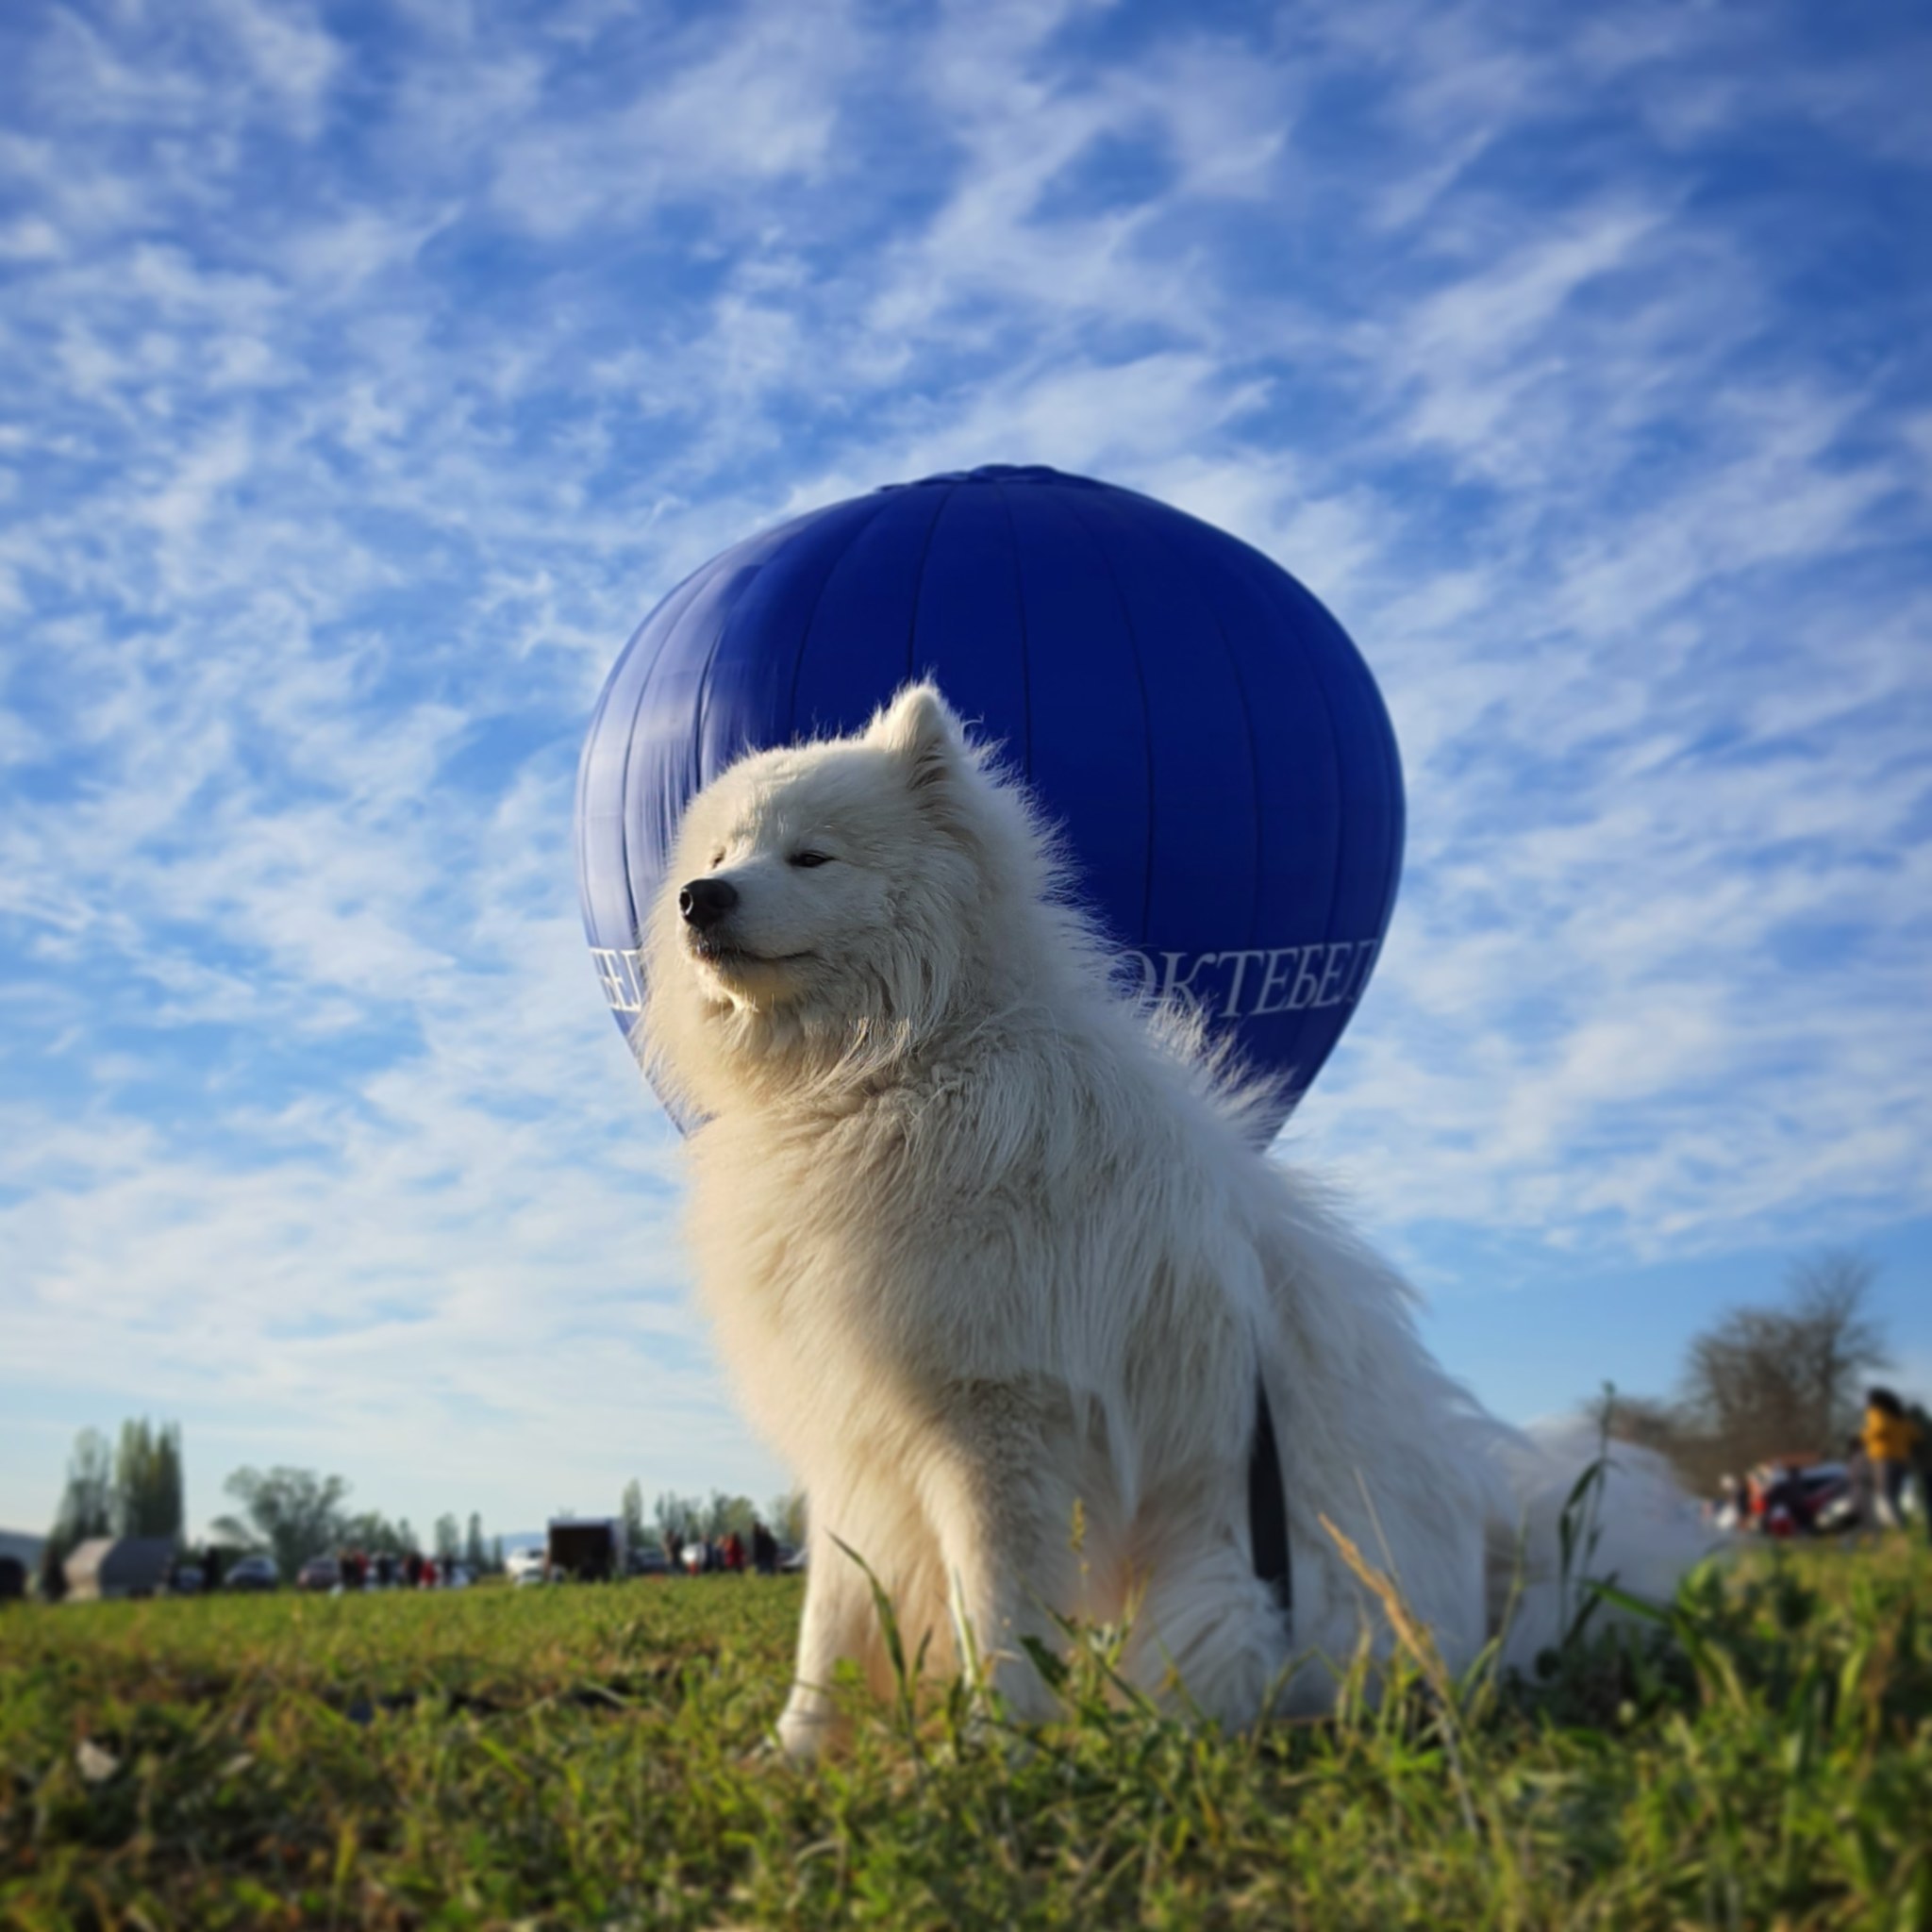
[590,1756]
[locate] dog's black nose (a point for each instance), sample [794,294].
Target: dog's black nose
[705,902]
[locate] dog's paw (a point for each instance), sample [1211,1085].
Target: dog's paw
[803,1736]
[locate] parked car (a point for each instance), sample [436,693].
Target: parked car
[319,1572]
[1824,1499]
[1798,1499]
[526,1566]
[186,1579]
[252,1572]
[648,1559]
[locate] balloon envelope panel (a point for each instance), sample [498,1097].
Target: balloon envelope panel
[1203,729]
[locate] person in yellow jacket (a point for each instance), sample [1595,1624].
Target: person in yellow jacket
[1890,1437]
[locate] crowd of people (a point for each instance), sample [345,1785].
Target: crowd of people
[383,1570]
[699,1555]
[1881,1480]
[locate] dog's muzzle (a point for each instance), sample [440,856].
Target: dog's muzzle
[705,902]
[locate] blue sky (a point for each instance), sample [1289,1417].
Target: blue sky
[367,372]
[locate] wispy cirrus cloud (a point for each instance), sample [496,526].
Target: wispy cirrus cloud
[366,380]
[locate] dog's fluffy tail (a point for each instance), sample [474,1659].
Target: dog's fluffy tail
[1633,1527]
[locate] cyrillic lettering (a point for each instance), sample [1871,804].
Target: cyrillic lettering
[1169,986]
[1339,954]
[1233,1008]
[1275,975]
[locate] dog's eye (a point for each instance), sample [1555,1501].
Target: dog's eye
[717,858]
[807,859]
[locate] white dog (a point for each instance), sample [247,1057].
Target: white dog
[983,1240]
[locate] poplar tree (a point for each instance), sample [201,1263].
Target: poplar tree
[87,1504]
[147,1480]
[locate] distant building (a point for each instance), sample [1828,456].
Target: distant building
[112,1566]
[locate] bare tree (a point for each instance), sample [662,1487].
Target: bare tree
[1835,1337]
[1649,1422]
[1772,1382]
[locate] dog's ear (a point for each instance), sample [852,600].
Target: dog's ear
[920,728]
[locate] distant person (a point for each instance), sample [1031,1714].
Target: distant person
[1890,1438]
[673,1551]
[734,1552]
[211,1568]
[1922,1461]
[412,1570]
[764,1550]
[53,1574]
[1738,1497]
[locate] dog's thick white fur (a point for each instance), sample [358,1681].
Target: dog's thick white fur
[983,1239]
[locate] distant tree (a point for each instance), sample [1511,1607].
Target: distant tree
[678,1516]
[147,1480]
[1769,1382]
[726,1513]
[293,1513]
[449,1539]
[498,1565]
[1836,1337]
[375,1535]
[87,1504]
[1647,1421]
[633,1514]
[787,1518]
[475,1555]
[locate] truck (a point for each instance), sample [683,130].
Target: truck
[585,1549]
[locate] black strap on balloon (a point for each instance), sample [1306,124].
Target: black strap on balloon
[1268,1508]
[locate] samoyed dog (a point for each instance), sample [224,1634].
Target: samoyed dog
[991,1248]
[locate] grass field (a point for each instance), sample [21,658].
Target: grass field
[590,1756]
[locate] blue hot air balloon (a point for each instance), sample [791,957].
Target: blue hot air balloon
[1203,729]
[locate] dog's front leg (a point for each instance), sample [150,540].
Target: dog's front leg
[836,1623]
[1001,1503]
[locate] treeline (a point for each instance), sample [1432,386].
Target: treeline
[290,1514]
[696,1519]
[295,1514]
[1769,1383]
